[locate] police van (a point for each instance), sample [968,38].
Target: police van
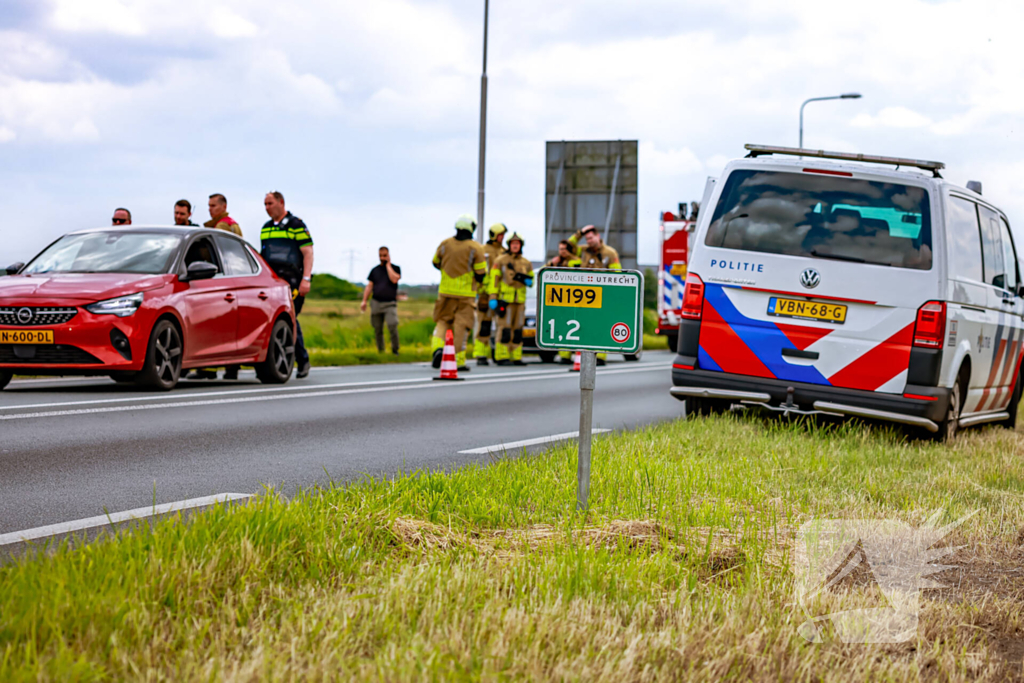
[852,285]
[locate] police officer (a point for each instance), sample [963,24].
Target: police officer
[287,248]
[484,316]
[511,274]
[463,267]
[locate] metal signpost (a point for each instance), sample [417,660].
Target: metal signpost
[590,311]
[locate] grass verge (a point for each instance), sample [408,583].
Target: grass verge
[681,570]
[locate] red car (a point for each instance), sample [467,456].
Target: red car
[144,304]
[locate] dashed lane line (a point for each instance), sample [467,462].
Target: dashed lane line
[319,393]
[513,445]
[117,518]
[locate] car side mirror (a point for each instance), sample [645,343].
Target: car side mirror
[200,270]
[14,268]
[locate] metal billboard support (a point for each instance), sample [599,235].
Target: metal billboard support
[554,204]
[611,197]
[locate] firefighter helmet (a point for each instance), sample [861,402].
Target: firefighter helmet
[497,229]
[465,222]
[516,237]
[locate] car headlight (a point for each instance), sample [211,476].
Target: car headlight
[122,306]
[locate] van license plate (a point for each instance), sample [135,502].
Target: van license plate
[807,310]
[26,336]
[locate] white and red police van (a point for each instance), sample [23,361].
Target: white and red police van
[849,284]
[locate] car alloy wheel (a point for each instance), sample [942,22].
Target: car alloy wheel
[163,358]
[277,368]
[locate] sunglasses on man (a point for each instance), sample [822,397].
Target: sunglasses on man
[119,221]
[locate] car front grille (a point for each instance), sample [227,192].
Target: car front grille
[35,316]
[46,354]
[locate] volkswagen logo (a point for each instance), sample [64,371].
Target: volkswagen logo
[25,315]
[810,278]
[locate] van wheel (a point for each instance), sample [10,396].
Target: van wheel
[705,407]
[673,342]
[1018,389]
[547,356]
[949,427]
[277,368]
[163,358]
[5,378]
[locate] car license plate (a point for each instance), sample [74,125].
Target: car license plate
[529,332]
[26,336]
[807,310]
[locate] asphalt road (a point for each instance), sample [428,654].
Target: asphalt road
[79,447]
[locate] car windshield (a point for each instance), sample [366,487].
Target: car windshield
[821,216]
[107,252]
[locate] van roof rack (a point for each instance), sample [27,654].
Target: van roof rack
[755,151]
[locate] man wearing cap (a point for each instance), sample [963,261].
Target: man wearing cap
[463,267]
[484,316]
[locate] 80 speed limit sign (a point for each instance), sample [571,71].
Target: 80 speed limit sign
[620,333]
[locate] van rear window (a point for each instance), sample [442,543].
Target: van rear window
[819,216]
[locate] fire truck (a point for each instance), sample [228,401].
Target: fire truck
[676,232]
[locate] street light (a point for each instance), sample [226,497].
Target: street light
[483,136]
[844,96]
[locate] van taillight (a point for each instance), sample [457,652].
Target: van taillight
[931,325]
[693,297]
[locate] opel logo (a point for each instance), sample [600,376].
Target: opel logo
[810,278]
[25,315]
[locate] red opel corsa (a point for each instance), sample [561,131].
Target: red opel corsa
[144,304]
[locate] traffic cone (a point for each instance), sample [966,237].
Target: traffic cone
[449,368]
[576,361]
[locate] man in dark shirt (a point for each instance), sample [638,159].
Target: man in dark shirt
[383,285]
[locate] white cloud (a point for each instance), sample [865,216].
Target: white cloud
[6,134]
[226,24]
[892,117]
[112,16]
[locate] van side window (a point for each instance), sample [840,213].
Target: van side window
[1009,256]
[992,247]
[964,239]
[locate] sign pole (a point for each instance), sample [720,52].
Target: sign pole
[588,377]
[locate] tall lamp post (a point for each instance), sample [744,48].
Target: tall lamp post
[483,136]
[844,96]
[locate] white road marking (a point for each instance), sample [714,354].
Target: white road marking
[316,392]
[132,397]
[503,447]
[117,518]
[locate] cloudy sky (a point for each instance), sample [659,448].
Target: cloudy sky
[365,114]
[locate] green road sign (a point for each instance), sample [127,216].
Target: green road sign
[590,310]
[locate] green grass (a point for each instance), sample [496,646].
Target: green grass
[680,571]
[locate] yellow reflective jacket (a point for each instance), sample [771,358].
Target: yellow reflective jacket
[502,283]
[492,252]
[603,257]
[571,262]
[459,261]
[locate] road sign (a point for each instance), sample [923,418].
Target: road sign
[590,310]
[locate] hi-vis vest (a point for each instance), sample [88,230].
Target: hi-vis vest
[459,261]
[501,284]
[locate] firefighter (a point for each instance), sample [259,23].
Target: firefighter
[566,257]
[484,316]
[463,268]
[511,274]
[598,255]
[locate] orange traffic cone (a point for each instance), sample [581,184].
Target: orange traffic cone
[576,361]
[449,370]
